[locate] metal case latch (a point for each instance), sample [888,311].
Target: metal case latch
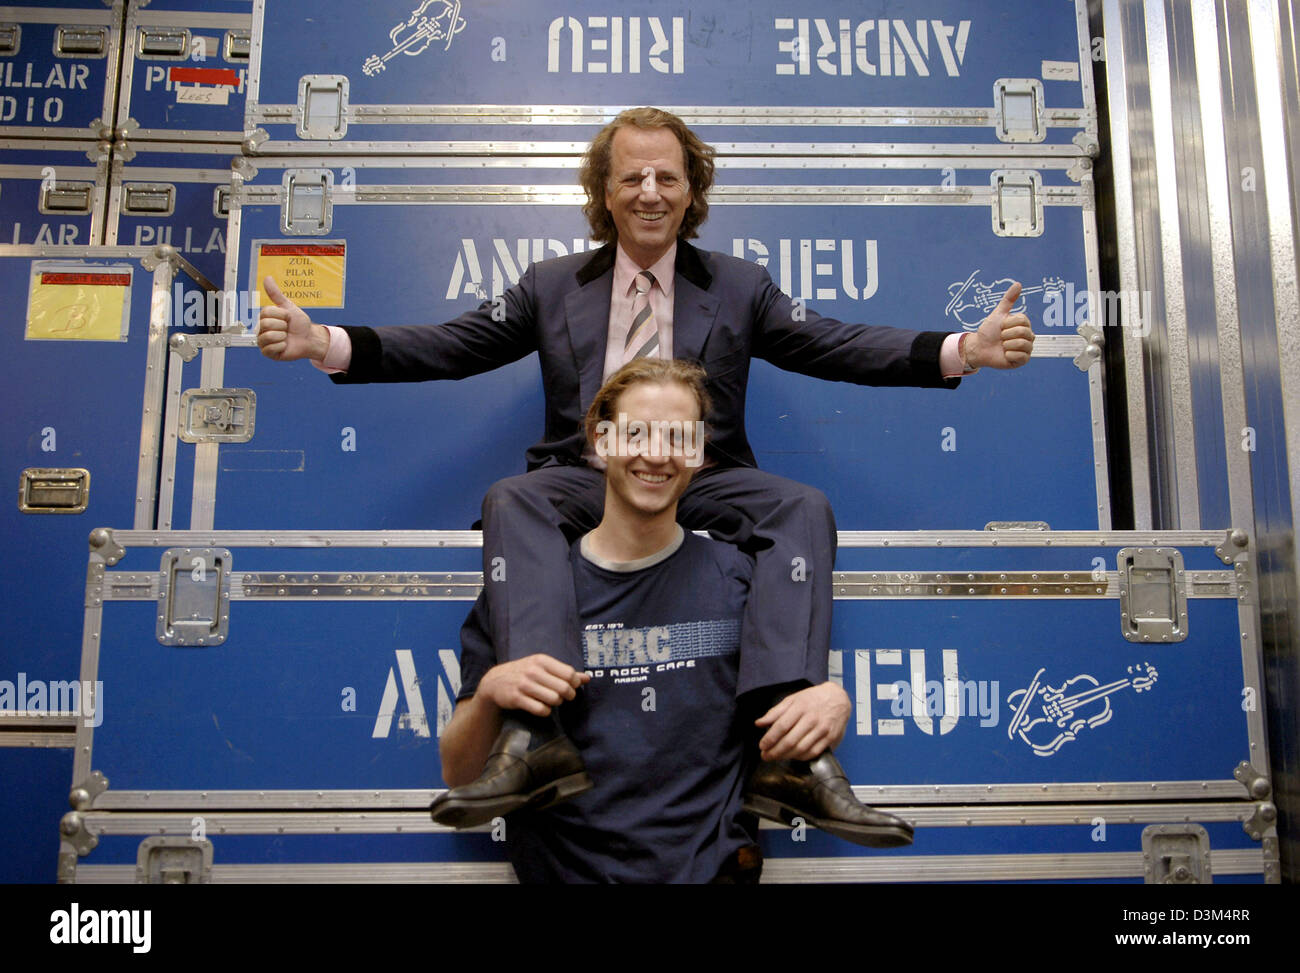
[308,208]
[66,198]
[164,42]
[90,41]
[1176,854]
[10,38]
[237,45]
[1152,594]
[217,415]
[148,199]
[322,106]
[1018,106]
[194,596]
[42,491]
[164,860]
[1017,202]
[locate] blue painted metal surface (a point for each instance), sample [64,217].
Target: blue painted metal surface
[65,94]
[46,165]
[196,227]
[36,785]
[67,404]
[292,699]
[202,90]
[1012,446]
[836,54]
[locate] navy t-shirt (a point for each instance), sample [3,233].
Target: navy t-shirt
[657,724]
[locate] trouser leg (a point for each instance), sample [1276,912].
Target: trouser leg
[785,635]
[529,523]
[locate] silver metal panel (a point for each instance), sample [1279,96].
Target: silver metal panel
[1126,233]
[1231,379]
[178,820]
[913,868]
[1177,376]
[151,416]
[1227,861]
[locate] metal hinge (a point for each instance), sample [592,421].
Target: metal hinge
[1176,854]
[51,491]
[1257,785]
[81,41]
[1152,594]
[322,106]
[308,207]
[148,199]
[1018,107]
[66,198]
[1235,540]
[1017,202]
[170,43]
[76,841]
[1091,353]
[217,415]
[172,860]
[194,596]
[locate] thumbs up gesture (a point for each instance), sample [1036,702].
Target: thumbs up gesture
[1004,340]
[285,332]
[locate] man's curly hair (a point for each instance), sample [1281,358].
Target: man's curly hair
[594,173]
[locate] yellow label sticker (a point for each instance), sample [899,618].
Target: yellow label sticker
[78,302]
[309,274]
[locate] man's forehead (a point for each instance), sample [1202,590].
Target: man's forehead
[634,148]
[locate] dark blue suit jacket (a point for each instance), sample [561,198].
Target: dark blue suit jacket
[725,312]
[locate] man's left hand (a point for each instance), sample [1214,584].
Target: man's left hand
[805,724]
[1004,340]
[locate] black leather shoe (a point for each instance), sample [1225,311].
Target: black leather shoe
[515,777]
[818,792]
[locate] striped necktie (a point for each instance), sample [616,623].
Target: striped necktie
[643,335]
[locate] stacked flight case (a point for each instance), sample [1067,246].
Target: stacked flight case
[273,648]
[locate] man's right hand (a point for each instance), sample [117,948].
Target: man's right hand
[534,684]
[285,332]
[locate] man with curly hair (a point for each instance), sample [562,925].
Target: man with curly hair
[648,292]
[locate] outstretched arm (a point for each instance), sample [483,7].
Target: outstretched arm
[494,334]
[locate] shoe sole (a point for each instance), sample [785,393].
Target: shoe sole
[470,813]
[872,836]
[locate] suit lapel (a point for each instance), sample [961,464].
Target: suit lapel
[694,308]
[586,314]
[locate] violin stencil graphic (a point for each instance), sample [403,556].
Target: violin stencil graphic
[1048,717]
[414,35]
[970,303]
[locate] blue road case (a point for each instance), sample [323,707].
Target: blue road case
[1012,76]
[426,238]
[272,703]
[53,193]
[82,371]
[173,194]
[185,71]
[58,69]
[35,764]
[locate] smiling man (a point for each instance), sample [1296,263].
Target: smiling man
[660,611]
[649,293]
